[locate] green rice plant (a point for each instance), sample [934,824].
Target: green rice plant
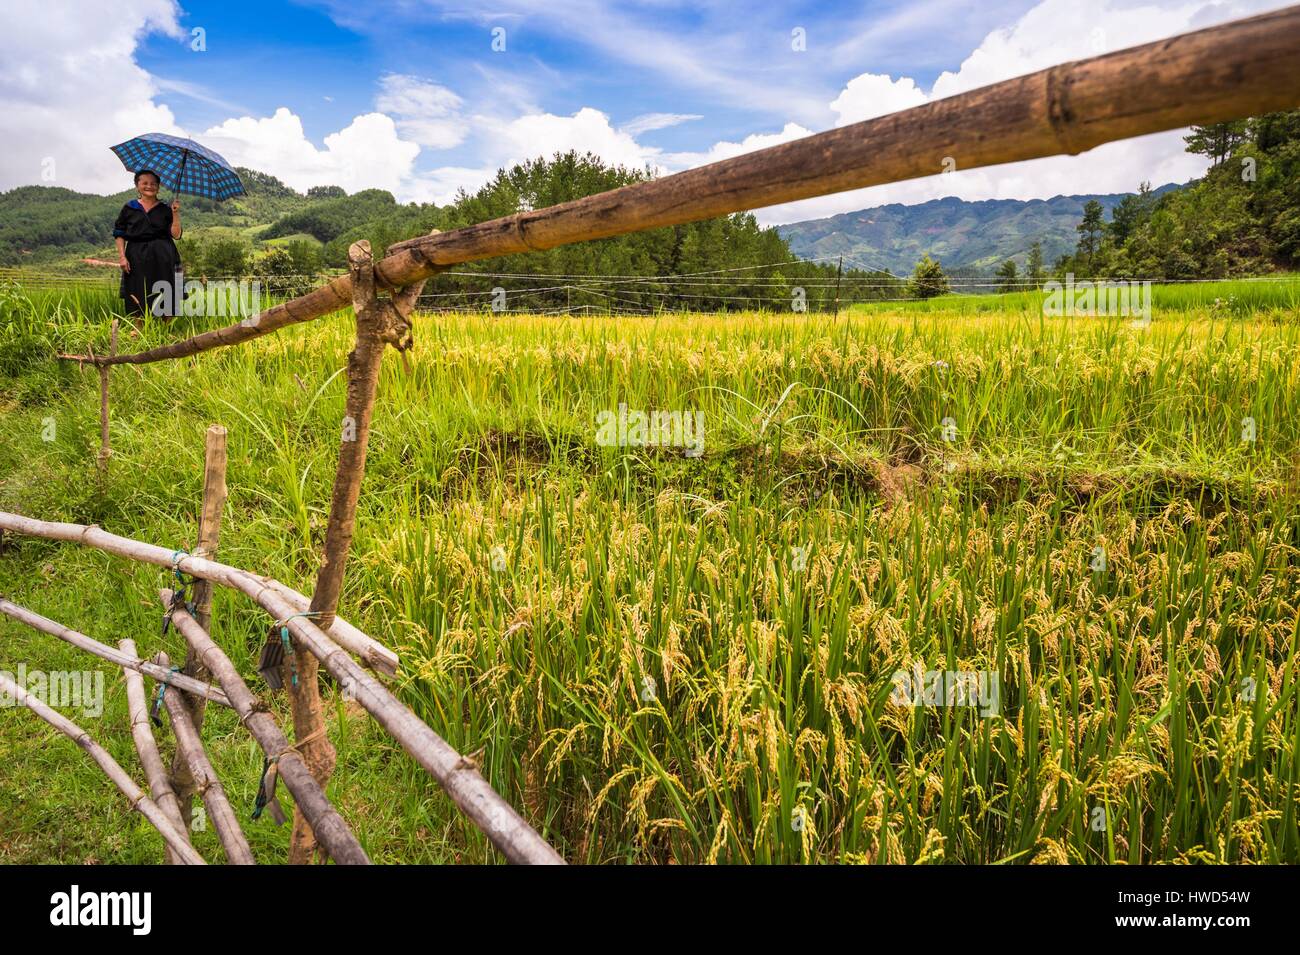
[666,658]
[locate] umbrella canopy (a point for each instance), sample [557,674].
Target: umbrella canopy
[182,165]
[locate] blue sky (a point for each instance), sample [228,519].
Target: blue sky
[410,95]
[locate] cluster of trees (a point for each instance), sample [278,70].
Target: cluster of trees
[727,263]
[1241,218]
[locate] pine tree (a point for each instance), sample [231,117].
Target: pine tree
[928,280]
[1034,264]
[1007,276]
[1090,230]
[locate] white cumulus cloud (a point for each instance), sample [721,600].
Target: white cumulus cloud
[427,113]
[367,154]
[70,88]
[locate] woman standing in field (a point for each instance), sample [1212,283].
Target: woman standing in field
[144,232]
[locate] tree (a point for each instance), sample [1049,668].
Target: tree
[1131,214]
[1034,264]
[276,272]
[1006,274]
[227,258]
[1217,140]
[1090,229]
[928,279]
[326,192]
[306,258]
[193,255]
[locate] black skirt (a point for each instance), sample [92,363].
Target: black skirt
[155,284]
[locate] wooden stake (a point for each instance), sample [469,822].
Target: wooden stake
[1231,71]
[146,746]
[325,821]
[105,450]
[105,652]
[214,504]
[172,836]
[458,776]
[223,817]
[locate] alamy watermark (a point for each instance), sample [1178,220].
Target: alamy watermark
[219,297]
[1116,297]
[640,429]
[59,689]
[973,688]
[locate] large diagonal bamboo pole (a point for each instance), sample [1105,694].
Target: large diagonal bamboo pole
[174,838]
[207,783]
[160,787]
[1239,69]
[458,776]
[325,821]
[105,652]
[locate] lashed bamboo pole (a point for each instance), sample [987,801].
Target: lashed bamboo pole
[325,821]
[146,746]
[1239,69]
[220,812]
[364,647]
[459,777]
[105,652]
[174,839]
[214,504]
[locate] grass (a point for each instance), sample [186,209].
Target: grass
[661,658]
[1275,298]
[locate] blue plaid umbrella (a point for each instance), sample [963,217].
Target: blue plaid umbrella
[182,165]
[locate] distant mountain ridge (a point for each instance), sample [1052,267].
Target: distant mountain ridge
[961,234]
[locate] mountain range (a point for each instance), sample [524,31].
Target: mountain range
[970,236]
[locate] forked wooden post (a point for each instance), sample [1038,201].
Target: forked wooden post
[379,324]
[214,504]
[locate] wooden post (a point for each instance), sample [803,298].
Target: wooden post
[458,776]
[105,450]
[190,747]
[105,652]
[379,323]
[325,821]
[214,504]
[146,746]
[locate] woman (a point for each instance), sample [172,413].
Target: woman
[144,232]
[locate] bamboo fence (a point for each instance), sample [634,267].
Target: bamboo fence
[1239,69]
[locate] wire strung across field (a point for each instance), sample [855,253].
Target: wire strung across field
[723,289]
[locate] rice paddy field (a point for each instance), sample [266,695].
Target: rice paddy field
[662,657]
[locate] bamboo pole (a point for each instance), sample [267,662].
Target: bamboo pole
[325,821]
[105,652]
[214,503]
[458,776]
[1239,69]
[174,839]
[222,814]
[146,746]
[365,648]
